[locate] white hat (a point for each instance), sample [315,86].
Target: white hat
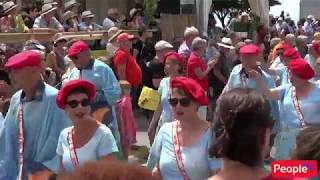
[46,8]
[70,4]
[226,42]
[87,14]
[162,45]
[310,17]
[8,6]
[50,2]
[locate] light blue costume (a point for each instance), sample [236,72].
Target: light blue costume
[238,79]
[290,123]
[283,74]
[166,114]
[315,67]
[102,143]
[108,88]
[196,160]
[43,122]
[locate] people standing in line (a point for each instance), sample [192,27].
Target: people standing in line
[87,139]
[180,149]
[28,139]
[173,64]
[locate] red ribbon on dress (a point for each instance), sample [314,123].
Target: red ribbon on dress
[20,141]
[72,150]
[177,151]
[297,107]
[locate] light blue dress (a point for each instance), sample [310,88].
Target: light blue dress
[238,80]
[107,86]
[43,122]
[166,114]
[102,143]
[196,160]
[290,124]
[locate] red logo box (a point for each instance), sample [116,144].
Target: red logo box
[295,168]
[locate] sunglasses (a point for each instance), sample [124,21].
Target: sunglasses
[185,102]
[75,103]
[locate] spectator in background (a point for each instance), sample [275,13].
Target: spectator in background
[112,19]
[308,28]
[73,5]
[214,31]
[112,45]
[299,30]
[56,58]
[311,58]
[46,22]
[12,21]
[197,70]
[302,46]
[55,4]
[156,66]
[189,34]
[291,40]
[87,22]
[71,22]
[29,15]
[136,19]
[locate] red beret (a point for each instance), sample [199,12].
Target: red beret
[177,56]
[249,49]
[72,85]
[191,88]
[24,59]
[77,48]
[301,68]
[291,52]
[316,47]
[125,37]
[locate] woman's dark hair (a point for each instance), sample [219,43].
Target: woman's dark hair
[243,115]
[308,144]
[78,91]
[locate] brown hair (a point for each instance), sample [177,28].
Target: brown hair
[308,144]
[243,116]
[103,170]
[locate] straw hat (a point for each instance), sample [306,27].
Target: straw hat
[70,4]
[113,33]
[8,6]
[226,42]
[58,38]
[87,14]
[47,8]
[68,15]
[52,2]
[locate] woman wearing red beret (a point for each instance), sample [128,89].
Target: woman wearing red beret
[173,67]
[87,139]
[300,104]
[180,149]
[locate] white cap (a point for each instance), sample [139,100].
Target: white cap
[162,45]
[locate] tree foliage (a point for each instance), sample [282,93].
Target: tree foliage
[223,8]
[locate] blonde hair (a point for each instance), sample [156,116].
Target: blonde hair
[189,31]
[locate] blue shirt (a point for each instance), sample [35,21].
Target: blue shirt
[84,26]
[310,107]
[107,86]
[102,143]
[238,79]
[196,160]
[283,74]
[43,122]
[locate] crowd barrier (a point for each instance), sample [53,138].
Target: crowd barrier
[48,37]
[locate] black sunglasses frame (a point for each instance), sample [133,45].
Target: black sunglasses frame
[184,102]
[74,103]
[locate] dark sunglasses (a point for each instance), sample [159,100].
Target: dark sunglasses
[75,103]
[185,102]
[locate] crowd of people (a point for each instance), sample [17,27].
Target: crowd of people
[230,102]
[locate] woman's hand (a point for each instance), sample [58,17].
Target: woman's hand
[212,63]
[156,173]
[151,133]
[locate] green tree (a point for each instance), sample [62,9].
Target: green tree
[223,8]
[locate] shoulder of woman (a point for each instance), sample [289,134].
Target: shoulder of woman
[104,130]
